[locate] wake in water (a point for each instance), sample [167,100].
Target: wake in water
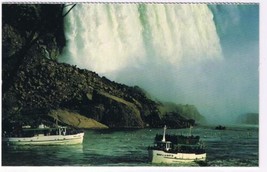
[233,147]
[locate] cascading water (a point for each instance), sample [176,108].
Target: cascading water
[110,37]
[183,53]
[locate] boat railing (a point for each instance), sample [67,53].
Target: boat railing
[42,131]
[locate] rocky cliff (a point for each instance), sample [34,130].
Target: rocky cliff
[36,85]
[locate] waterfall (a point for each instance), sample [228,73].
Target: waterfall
[111,37]
[206,55]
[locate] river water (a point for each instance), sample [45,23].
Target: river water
[236,146]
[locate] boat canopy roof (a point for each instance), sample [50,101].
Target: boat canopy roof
[41,129]
[189,145]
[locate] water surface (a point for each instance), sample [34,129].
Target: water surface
[235,146]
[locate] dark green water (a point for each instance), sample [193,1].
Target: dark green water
[236,146]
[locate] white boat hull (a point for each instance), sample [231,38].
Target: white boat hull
[159,156]
[46,140]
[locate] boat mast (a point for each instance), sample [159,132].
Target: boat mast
[163,137]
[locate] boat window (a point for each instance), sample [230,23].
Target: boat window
[168,145]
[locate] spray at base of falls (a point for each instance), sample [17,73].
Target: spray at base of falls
[173,51]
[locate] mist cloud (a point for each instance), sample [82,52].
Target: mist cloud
[178,54]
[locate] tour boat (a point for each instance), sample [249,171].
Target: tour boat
[43,135]
[171,149]
[220,127]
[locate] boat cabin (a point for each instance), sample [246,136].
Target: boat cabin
[163,145]
[44,131]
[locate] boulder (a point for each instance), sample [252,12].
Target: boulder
[76,120]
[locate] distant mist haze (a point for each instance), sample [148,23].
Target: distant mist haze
[203,55]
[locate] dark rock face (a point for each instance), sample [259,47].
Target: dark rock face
[43,84]
[34,83]
[29,30]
